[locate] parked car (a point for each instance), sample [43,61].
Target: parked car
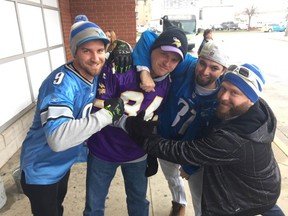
[217,27]
[230,26]
[273,28]
[243,26]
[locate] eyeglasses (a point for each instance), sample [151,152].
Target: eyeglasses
[248,76]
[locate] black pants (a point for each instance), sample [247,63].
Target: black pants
[46,200]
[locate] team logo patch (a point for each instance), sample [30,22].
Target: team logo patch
[176,42]
[211,54]
[102,89]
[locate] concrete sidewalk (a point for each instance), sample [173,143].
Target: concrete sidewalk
[158,192]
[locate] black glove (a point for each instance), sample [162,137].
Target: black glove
[121,55]
[139,129]
[152,166]
[115,107]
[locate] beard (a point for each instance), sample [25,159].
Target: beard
[204,82]
[88,69]
[226,111]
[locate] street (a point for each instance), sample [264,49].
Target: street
[270,55]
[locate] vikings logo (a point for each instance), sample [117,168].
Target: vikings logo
[176,42]
[102,89]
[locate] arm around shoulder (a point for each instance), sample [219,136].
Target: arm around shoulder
[141,51]
[76,131]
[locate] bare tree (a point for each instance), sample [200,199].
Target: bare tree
[250,12]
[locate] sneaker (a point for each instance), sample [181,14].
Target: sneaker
[177,209]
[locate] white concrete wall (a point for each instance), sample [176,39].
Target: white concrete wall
[11,139]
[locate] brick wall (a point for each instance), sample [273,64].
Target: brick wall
[65,15]
[108,14]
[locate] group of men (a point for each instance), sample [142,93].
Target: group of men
[230,166]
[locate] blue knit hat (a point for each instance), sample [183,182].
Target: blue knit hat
[83,31]
[248,78]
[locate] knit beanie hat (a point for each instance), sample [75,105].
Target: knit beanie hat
[83,30]
[172,39]
[248,78]
[215,51]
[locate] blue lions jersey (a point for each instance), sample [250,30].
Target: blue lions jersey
[187,115]
[63,95]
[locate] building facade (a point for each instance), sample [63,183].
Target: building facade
[36,41]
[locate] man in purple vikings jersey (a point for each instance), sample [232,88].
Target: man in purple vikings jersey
[112,147]
[62,121]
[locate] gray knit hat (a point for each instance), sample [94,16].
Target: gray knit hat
[83,30]
[215,52]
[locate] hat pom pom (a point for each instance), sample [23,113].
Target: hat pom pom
[80,18]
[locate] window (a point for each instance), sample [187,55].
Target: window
[32,46]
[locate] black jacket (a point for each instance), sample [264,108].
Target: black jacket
[241,175]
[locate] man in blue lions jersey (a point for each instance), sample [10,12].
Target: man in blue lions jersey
[62,121]
[112,147]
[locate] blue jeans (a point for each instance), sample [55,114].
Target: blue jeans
[99,176]
[275,211]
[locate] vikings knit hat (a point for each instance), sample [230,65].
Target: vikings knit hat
[83,30]
[248,78]
[172,39]
[215,51]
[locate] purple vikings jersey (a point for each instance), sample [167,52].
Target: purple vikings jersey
[112,143]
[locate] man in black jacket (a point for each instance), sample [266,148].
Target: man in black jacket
[241,175]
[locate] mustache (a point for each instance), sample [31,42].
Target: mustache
[223,102]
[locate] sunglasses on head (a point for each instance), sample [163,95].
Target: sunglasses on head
[240,70]
[247,75]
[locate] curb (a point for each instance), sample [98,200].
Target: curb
[281,145]
[284,38]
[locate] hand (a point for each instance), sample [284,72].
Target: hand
[115,107]
[139,129]
[121,55]
[147,83]
[152,166]
[183,174]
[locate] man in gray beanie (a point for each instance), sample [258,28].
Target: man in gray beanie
[241,176]
[189,110]
[62,121]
